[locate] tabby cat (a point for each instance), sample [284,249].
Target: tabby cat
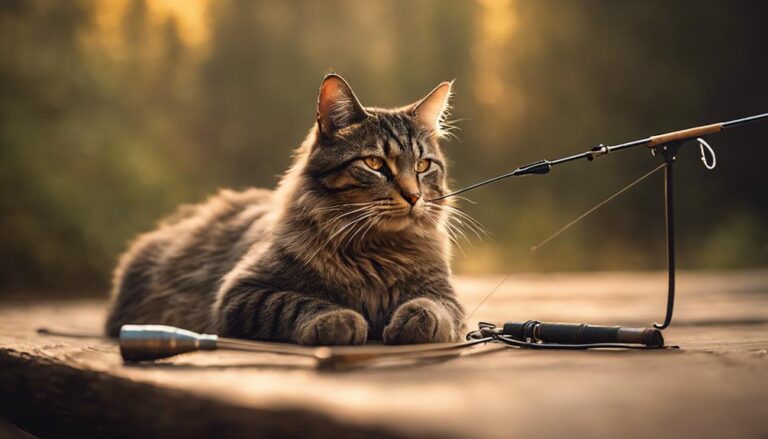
[348,248]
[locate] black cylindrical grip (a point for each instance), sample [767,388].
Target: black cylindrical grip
[647,336]
[580,333]
[575,333]
[516,330]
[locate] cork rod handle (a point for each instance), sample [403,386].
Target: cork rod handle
[703,130]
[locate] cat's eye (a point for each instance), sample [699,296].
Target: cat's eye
[423,164]
[374,163]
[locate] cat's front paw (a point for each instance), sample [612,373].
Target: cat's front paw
[419,321]
[337,327]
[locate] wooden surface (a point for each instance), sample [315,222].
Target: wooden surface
[716,385]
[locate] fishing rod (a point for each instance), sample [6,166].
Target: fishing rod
[580,336]
[665,141]
[141,343]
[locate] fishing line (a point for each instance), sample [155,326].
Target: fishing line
[488,296]
[599,205]
[566,227]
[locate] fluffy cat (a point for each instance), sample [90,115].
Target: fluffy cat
[348,248]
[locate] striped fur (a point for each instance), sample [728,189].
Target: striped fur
[334,255]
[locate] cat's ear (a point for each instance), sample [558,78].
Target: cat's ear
[337,106]
[432,111]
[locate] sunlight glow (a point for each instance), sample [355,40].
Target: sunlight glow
[496,26]
[190,17]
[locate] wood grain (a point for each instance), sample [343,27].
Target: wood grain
[714,386]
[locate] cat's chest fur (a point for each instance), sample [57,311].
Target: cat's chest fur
[374,284]
[373,280]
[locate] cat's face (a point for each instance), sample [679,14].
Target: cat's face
[378,170]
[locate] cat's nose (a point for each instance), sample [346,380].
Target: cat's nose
[411,197]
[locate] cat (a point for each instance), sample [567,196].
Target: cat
[349,247]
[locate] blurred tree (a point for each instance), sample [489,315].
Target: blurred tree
[112,113]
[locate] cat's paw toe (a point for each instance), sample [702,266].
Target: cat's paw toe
[338,327]
[419,321]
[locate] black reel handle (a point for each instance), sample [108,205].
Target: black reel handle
[581,333]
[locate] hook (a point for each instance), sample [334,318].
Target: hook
[707,163]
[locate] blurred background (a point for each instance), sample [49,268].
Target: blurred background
[112,112]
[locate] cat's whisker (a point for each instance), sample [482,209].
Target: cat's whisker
[458,231]
[454,239]
[333,234]
[358,209]
[350,227]
[467,226]
[460,212]
[478,229]
[360,221]
[338,217]
[461,249]
[465,199]
[364,206]
[456,234]
[448,229]
[368,219]
[377,201]
[365,227]
[376,220]
[341,206]
[451,231]
[471,222]
[438,223]
[339,231]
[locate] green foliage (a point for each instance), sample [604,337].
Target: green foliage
[105,129]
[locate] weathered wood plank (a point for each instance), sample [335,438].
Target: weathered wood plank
[715,385]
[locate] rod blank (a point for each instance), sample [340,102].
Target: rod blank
[154,342]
